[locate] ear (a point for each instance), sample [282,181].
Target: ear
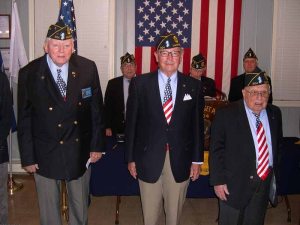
[45,47]
[156,56]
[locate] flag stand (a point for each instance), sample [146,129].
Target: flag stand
[12,185]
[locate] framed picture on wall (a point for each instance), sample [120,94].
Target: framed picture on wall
[5,56]
[4,26]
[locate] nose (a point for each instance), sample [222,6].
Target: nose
[60,48]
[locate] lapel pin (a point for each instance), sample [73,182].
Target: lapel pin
[74,74]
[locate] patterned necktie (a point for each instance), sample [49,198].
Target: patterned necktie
[263,152]
[168,104]
[61,84]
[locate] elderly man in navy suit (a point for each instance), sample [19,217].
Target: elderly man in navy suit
[244,154]
[60,125]
[116,95]
[164,133]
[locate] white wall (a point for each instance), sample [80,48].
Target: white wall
[93,28]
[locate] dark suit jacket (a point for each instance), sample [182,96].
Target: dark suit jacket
[59,135]
[114,105]
[232,159]
[237,85]
[208,86]
[147,130]
[5,116]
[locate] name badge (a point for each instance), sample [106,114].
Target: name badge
[86,92]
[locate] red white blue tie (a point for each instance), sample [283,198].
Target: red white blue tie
[167,103]
[263,152]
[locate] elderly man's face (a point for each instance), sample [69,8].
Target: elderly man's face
[60,51]
[197,73]
[256,97]
[168,60]
[249,65]
[128,70]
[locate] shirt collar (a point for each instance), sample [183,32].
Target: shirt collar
[164,77]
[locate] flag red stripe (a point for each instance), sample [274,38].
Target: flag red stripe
[236,37]
[138,56]
[220,43]
[204,27]
[153,64]
[186,61]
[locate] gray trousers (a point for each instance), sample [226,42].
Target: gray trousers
[48,191]
[3,194]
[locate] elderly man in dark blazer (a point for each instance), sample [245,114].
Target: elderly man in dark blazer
[164,133]
[60,125]
[197,70]
[250,64]
[5,123]
[116,95]
[244,154]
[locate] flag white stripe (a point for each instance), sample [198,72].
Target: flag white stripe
[195,42]
[228,31]
[146,59]
[212,35]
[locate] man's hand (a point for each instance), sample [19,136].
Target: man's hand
[221,191]
[132,169]
[31,168]
[108,132]
[195,171]
[95,156]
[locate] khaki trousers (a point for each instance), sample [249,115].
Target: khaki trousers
[164,193]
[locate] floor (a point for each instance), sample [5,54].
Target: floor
[23,209]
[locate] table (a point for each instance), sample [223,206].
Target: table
[110,176]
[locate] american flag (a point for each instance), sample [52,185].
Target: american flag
[67,15]
[211,27]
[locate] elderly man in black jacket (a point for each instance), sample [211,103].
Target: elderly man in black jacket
[60,125]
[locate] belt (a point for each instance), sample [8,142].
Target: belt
[167,147]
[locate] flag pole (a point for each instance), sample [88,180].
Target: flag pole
[12,185]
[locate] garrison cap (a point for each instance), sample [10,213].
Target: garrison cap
[59,31]
[250,54]
[256,78]
[127,58]
[168,41]
[198,62]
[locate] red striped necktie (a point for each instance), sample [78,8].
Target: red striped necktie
[168,104]
[263,152]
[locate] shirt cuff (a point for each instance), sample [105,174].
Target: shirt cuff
[199,163]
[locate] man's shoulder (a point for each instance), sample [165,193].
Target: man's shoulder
[79,60]
[238,78]
[116,79]
[207,79]
[33,65]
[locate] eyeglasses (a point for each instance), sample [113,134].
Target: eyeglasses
[173,53]
[263,94]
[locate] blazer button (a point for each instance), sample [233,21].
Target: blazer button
[75,122]
[59,125]
[50,108]
[61,142]
[77,139]
[251,177]
[79,103]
